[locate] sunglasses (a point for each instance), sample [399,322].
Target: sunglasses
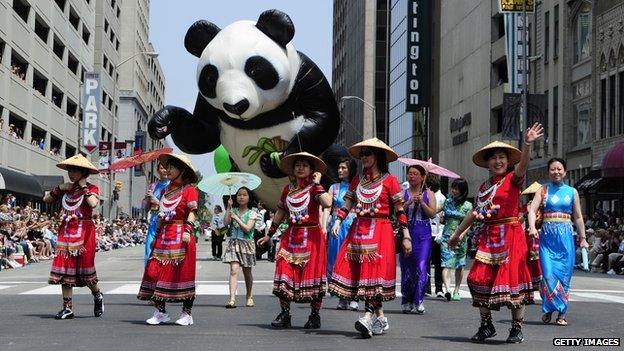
[365,152]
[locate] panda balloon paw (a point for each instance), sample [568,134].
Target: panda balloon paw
[269,167]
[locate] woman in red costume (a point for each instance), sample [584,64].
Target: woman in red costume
[74,264]
[365,268]
[500,274]
[170,271]
[301,263]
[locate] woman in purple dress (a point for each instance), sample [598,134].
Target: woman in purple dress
[420,206]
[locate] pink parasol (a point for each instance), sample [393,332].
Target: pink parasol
[430,167]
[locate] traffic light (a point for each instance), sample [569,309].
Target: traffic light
[119,185]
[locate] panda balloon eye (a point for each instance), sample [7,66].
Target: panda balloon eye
[262,72]
[208,81]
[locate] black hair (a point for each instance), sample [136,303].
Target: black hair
[382,160]
[433,182]
[461,185]
[85,172]
[351,165]
[560,160]
[306,160]
[252,198]
[187,173]
[419,168]
[490,152]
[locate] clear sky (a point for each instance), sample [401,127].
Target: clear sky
[170,20]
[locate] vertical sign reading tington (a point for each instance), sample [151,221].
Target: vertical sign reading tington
[418,74]
[91,111]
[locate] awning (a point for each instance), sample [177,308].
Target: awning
[19,183]
[613,162]
[594,183]
[49,182]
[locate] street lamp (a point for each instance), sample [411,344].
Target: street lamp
[151,54]
[371,106]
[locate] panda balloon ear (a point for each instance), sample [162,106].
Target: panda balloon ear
[199,35]
[277,26]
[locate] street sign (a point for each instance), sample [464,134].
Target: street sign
[507,6]
[91,107]
[418,70]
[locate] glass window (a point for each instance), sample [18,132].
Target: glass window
[556,32]
[603,108]
[582,47]
[546,35]
[583,111]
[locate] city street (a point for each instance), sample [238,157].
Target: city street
[28,305]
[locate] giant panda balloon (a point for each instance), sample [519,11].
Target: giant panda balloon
[258,96]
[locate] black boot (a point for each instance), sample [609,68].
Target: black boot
[486,331]
[282,320]
[515,334]
[98,304]
[65,313]
[314,321]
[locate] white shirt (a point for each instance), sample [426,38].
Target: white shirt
[436,226]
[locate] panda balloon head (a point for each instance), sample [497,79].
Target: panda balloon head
[258,96]
[254,75]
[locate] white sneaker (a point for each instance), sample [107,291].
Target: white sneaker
[185,319]
[611,272]
[440,294]
[407,307]
[380,325]
[158,318]
[342,305]
[353,305]
[365,326]
[420,309]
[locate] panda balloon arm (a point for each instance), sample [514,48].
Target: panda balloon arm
[193,133]
[318,105]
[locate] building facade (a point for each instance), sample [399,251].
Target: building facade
[472,80]
[359,68]
[142,86]
[45,48]
[608,100]
[561,69]
[410,134]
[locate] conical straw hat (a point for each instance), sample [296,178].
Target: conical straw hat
[78,161]
[479,157]
[532,189]
[287,163]
[182,158]
[373,143]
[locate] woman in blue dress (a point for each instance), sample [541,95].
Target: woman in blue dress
[557,252]
[346,172]
[154,192]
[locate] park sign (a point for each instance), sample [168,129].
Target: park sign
[507,6]
[91,111]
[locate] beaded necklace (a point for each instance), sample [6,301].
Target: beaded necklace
[169,202]
[297,202]
[368,194]
[485,206]
[71,205]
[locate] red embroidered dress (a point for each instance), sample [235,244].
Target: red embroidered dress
[74,264]
[500,274]
[301,262]
[170,271]
[366,264]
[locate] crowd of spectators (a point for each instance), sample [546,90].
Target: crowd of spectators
[29,236]
[605,235]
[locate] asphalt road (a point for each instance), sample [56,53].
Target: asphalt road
[28,305]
